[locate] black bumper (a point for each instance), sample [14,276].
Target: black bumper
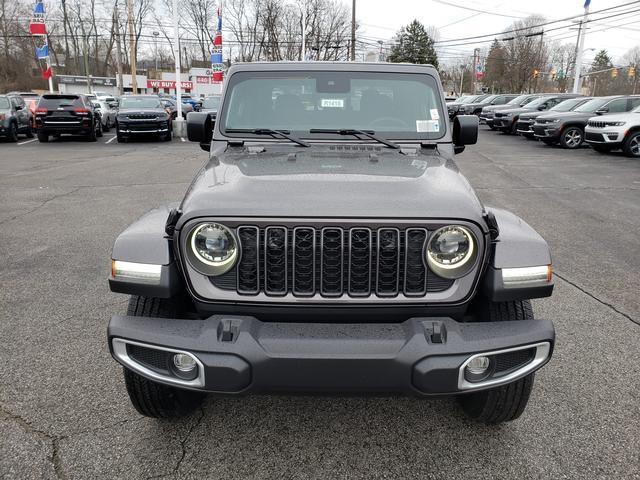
[421,356]
[141,129]
[525,127]
[502,123]
[547,131]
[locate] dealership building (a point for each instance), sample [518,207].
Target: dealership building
[198,82]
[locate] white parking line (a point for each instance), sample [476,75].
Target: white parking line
[111,139]
[28,141]
[182,138]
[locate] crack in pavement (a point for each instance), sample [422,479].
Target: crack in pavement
[71,192]
[589,294]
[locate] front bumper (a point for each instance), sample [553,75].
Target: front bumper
[547,131]
[421,356]
[525,127]
[140,128]
[503,123]
[609,136]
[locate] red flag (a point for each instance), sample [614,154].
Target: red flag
[38,29]
[47,74]
[217,40]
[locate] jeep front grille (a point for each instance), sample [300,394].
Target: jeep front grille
[331,261]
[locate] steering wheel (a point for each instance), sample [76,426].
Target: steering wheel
[389,121]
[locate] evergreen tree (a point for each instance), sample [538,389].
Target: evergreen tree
[601,82]
[413,45]
[495,68]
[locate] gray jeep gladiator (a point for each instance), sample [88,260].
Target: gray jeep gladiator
[330,245]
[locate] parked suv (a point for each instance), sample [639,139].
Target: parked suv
[525,122]
[15,117]
[454,107]
[58,114]
[487,114]
[476,107]
[140,115]
[615,132]
[331,246]
[506,120]
[567,129]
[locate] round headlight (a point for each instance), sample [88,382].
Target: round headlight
[451,251]
[214,248]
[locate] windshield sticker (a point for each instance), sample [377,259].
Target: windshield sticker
[427,126]
[332,103]
[434,114]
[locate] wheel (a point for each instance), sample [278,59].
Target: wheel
[514,128]
[572,138]
[148,397]
[168,136]
[507,402]
[107,126]
[601,148]
[631,145]
[120,138]
[29,131]
[91,136]
[43,137]
[99,129]
[12,134]
[548,142]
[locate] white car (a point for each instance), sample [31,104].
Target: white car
[615,132]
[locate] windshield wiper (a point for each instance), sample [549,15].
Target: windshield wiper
[351,131]
[268,131]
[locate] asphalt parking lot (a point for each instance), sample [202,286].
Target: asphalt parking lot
[64,411]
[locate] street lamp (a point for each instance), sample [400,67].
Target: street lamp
[155,44]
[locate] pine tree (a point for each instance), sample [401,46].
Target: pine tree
[495,68]
[414,45]
[601,81]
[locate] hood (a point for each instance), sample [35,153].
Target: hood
[143,111]
[322,181]
[517,110]
[567,116]
[531,115]
[617,117]
[493,108]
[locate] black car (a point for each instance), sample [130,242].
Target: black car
[567,129]
[211,104]
[58,114]
[143,115]
[487,114]
[454,108]
[525,122]
[506,120]
[475,108]
[15,118]
[331,244]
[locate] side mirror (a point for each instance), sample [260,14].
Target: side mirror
[542,107]
[200,129]
[18,107]
[113,104]
[602,111]
[465,132]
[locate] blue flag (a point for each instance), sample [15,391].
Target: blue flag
[216,58]
[42,52]
[38,8]
[587,3]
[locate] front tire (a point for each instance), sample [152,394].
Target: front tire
[572,138]
[43,137]
[507,402]
[631,145]
[29,131]
[150,398]
[12,134]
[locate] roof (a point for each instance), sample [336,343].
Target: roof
[333,66]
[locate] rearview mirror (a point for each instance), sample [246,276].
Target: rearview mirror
[465,132]
[200,129]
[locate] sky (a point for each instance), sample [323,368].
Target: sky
[379,20]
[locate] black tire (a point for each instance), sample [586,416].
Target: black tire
[107,125]
[12,134]
[168,136]
[572,138]
[492,128]
[631,146]
[513,130]
[507,402]
[99,129]
[601,148]
[29,131]
[148,397]
[91,136]
[119,137]
[43,137]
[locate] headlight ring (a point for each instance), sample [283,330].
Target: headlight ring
[451,251]
[212,248]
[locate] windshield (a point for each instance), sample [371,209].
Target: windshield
[517,100]
[489,99]
[396,105]
[140,102]
[55,101]
[4,102]
[592,105]
[527,100]
[537,102]
[211,102]
[471,99]
[567,105]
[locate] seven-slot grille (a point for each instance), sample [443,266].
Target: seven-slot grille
[332,261]
[596,124]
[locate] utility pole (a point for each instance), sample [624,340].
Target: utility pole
[353,31]
[474,77]
[132,47]
[155,45]
[577,81]
[303,55]
[461,78]
[85,47]
[118,47]
[178,123]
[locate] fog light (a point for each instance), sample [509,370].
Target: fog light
[478,365]
[184,362]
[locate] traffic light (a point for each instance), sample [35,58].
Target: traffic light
[614,73]
[632,72]
[553,73]
[536,73]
